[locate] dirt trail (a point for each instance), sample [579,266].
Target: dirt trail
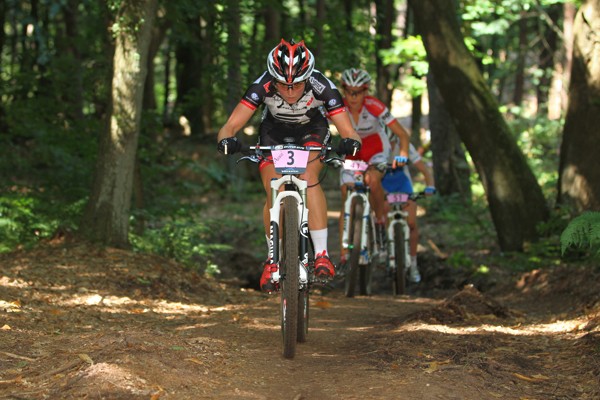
[108,324]
[78,322]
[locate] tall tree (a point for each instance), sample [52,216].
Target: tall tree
[106,218]
[515,198]
[450,168]
[190,69]
[579,175]
[385,18]
[548,53]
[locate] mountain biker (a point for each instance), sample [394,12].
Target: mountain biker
[369,117]
[391,184]
[296,97]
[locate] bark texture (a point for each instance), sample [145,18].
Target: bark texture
[106,218]
[514,196]
[579,171]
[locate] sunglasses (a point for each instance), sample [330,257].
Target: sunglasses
[289,86]
[354,93]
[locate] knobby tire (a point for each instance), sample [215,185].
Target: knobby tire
[303,315]
[355,233]
[366,271]
[400,250]
[289,276]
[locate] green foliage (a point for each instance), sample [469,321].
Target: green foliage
[187,238]
[459,259]
[461,222]
[539,140]
[583,233]
[409,52]
[27,216]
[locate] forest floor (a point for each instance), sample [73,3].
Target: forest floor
[82,322]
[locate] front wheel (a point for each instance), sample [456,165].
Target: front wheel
[399,278]
[289,276]
[365,279]
[303,315]
[355,234]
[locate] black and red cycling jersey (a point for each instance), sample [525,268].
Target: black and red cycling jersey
[320,92]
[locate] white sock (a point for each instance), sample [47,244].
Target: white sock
[319,239]
[413,261]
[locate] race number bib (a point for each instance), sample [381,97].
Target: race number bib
[355,165]
[397,198]
[290,161]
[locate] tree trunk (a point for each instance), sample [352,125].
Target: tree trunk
[579,175]
[234,86]
[385,18]
[189,75]
[450,167]
[321,14]
[519,89]
[73,95]
[548,54]
[515,199]
[106,218]
[415,121]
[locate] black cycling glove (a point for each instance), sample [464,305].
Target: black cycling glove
[348,147]
[229,145]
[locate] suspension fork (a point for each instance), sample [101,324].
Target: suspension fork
[294,187]
[364,197]
[397,216]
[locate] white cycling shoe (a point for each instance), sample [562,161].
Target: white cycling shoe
[413,274]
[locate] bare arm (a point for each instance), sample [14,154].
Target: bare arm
[420,165]
[240,115]
[344,126]
[402,134]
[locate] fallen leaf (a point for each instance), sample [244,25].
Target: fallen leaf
[194,360]
[535,378]
[6,328]
[322,304]
[432,367]
[86,358]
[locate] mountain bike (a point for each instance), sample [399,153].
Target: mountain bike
[358,234]
[289,222]
[398,238]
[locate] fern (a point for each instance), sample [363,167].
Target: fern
[582,232]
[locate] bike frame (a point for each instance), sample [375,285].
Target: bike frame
[294,187]
[397,215]
[361,193]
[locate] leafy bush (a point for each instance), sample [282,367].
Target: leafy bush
[27,216]
[583,233]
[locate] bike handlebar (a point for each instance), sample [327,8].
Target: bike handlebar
[257,156]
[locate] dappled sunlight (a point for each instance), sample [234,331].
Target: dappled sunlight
[361,328]
[557,327]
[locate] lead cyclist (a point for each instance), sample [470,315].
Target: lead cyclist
[295,97]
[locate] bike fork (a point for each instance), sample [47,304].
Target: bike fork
[298,191]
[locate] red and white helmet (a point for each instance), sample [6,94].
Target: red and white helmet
[355,77]
[290,62]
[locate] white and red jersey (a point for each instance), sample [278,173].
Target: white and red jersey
[373,117]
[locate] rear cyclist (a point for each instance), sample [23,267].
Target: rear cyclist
[369,116]
[294,95]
